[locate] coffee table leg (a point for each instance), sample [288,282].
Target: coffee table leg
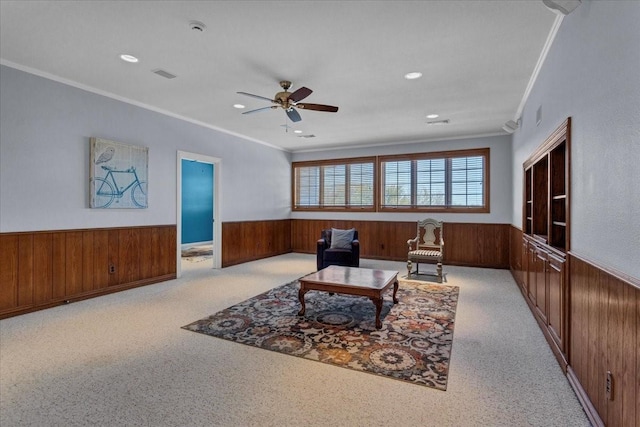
[301,293]
[378,304]
[395,291]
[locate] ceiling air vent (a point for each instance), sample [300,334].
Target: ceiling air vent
[165,74]
[438,122]
[306,136]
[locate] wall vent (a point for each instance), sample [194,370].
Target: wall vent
[163,73]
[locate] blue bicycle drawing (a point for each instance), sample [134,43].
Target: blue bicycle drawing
[107,188]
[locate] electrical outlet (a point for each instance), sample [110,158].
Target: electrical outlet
[608,388]
[112,269]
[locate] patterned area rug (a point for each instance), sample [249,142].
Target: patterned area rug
[413,345]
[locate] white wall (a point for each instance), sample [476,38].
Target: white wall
[499,178]
[592,73]
[45,127]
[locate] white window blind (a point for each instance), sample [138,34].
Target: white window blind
[435,181]
[339,184]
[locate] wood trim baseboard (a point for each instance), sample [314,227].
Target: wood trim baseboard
[589,409]
[84,296]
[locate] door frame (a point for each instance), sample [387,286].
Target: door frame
[217,224]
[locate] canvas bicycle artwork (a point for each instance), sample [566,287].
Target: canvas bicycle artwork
[118,175]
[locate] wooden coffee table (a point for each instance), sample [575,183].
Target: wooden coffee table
[351,281]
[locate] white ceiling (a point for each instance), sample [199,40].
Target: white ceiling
[477,58]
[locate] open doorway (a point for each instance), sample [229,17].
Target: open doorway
[198,207]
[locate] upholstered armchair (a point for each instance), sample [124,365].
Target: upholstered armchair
[427,246]
[338,247]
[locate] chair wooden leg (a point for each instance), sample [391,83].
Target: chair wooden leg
[439,272]
[409,265]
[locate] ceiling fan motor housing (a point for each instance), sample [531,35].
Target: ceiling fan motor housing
[282,98]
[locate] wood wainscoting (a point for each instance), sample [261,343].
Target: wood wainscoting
[604,342]
[245,241]
[602,334]
[474,245]
[42,269]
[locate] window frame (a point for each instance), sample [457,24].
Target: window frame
[378,183]
[334,162]
[483,152]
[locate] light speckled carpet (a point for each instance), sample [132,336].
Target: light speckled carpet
[413,345]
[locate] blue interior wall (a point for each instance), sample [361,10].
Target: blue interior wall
[197,201]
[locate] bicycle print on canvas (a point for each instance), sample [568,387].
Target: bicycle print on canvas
[118,175]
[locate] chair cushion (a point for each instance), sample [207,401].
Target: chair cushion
[338,256]
[341,239]
[425,253]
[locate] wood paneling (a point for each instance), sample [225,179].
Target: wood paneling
[73,274]
[42,268]
[101,259]
[25,270]
[479,245]
[59,264]
[128,270]
[87,261]
[604,337]
[46,268]
[8,271]
[251,240]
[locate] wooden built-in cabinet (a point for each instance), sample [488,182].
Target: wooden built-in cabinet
[546,237]
[589,314]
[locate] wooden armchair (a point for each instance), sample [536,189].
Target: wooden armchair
[426,247]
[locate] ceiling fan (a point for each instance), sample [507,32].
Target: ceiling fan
[290,101]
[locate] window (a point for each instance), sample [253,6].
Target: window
[453,181]
[448,181]
[334,184]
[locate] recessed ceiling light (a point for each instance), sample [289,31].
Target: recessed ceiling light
[128,58]
[297,131]
[432,116]
[238,106]
[413,75]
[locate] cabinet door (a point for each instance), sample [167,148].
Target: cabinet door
[531,273]
[556,282]
[525,267]
[541,283]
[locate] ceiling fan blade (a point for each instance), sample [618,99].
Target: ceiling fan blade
[256,96]
[318,107]
[300,94]
[294,116]
[259,109]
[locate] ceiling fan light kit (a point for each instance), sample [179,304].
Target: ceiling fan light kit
[290,101]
